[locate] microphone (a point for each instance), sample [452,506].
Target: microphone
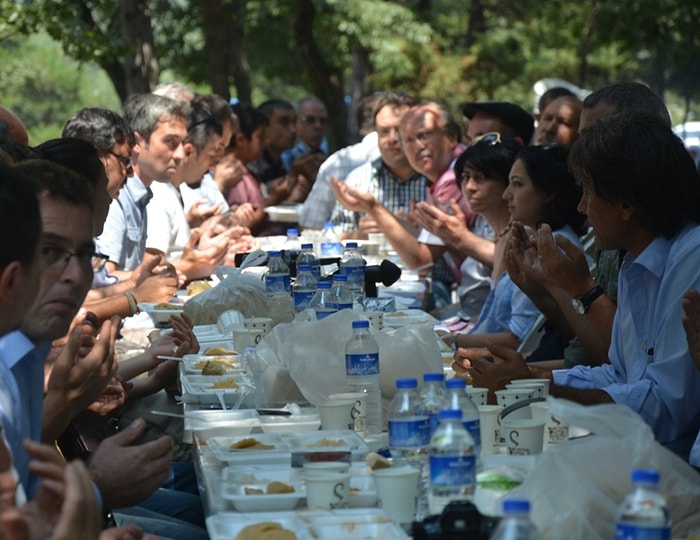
[386,273]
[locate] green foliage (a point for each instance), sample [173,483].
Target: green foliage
[44,87]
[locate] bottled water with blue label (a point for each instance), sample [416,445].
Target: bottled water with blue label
[277,278]
[330,241]
[452,462]
[304,287]
[409,430]
[353,265]
[362,373]
[456,398]
[643,514]
[432,397]
[307,256]
[515,524]
[321,301]
[340,294]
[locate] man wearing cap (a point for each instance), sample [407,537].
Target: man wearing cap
[501,117]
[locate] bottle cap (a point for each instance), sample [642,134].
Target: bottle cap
[406,383]
[351,245]
[516,506]
[360,324]
[323,285]
[450,414]
[293,232]
[456,382]
[329,224]
[307,246]
[645,476]
[304,268]
[274,253]
[433,377]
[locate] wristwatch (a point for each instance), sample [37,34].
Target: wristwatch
[582,303]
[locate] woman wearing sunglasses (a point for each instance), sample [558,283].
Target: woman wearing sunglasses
[540,189]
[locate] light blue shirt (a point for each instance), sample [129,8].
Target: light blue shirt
[123,239]
[650,367]
[21,399]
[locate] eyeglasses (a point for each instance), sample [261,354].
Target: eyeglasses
[492,139]
[421,136]
[125,161]
[52,257]
[311,119]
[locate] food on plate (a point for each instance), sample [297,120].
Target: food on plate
[226,361]
[253,491]
[214,367]
[377,461]
[217,351]
[251,443]
[326,443]
[198,286]
[267,530]
[166,305]
[227,384]
[279,487]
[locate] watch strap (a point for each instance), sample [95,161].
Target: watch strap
[590,297]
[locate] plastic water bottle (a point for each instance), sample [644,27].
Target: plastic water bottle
[643,513]
[515,524]
[304,287]
[340,294]
[292,244]
[321,300]
[307,256]
[452,462]
[432,397]
[277,277]
[362,372]
[330,241]
[456,398]
[353,265]
[409,430]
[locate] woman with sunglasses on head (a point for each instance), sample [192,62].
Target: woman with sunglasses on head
[540,190]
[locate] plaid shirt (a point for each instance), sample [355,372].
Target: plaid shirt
[392,192]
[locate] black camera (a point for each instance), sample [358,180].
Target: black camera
[459,520]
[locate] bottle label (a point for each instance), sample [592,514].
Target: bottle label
[473,427]
[362,364]
[324,312]
[342,305]
[277,282]
[301,299]
[356,274]
[636,532]
[452,470]
[409,432]
[434,422]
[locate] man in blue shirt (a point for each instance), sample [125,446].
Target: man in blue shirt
[641,195]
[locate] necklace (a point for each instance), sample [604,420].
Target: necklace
[503,232]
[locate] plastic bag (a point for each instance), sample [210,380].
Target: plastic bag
[240,291]
[574,488]
[310,354]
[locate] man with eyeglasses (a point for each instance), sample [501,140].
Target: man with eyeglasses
[311,147]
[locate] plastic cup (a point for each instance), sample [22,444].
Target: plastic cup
[337,414]
[523,437]
[477,395]
[314,468]
[327,490]
[358,413]
[246,337]
[263,324]
[490,428]
[544,383]
[397,491]
[509,396]
[555,430]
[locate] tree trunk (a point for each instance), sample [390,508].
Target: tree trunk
[141,67]
[477,23]
[360,69]
[587,44]
[239,64]
[215,25]
[326,80]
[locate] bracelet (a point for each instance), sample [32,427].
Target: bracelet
[133,304]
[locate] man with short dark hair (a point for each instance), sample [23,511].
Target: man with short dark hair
[502,117]
[312,124]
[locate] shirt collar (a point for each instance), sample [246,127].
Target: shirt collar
[13,347]
[140,193]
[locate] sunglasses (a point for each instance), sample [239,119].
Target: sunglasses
[491,139]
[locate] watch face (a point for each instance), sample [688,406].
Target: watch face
[578,306]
